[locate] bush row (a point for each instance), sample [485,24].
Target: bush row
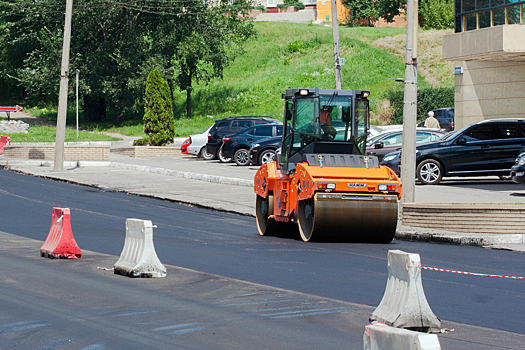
[427,100]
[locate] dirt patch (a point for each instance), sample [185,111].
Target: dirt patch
[431,65]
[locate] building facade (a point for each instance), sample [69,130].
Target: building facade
[488,48]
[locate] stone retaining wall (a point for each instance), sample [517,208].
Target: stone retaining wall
[475,218]
[72,151]
[149,151]
[13,127]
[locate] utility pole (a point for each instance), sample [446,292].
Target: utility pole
[335,35]
[76,95]
[408,158]
[62,96]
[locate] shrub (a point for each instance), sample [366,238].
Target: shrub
[159,124]
[437,14]
[427,100]
[297,4]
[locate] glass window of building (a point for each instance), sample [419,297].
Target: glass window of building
[484,19]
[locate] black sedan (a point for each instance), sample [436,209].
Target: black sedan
[237,146]
[263,151]
[489,147]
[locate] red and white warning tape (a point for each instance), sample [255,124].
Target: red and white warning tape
[472,273]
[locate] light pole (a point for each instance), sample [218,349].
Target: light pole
[335,35]
[408,158]
[62,96]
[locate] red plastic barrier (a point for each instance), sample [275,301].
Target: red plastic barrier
[60,243]
[4,141]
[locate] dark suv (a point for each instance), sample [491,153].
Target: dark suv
[229,126]
[237,146]
[489,147]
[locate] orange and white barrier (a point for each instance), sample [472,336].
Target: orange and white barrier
[404,304]
[138,258]
[60,243]
[4,141]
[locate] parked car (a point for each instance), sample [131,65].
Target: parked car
[445,117]
[489,147]
[197,145]
[184,146]
[229,126]
[389,141]
[517,172]
[263,151]
[237,146]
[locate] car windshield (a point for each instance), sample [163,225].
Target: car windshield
[448,136]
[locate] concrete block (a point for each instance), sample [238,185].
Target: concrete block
[138,258]
[404,304]
[380,336]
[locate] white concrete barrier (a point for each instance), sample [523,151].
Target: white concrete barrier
[138,258]
[381,336]
[404,304]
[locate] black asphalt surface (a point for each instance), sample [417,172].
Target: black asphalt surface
[228,245]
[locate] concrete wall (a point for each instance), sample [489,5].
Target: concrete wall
[488,90]
[150,151]
[482,218]
[47,151]
[492,84]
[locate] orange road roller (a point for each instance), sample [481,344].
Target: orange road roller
[322,179]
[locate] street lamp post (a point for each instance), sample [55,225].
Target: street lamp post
[62,97]
[408,159]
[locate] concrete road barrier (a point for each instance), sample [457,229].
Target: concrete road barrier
[138,258]
[60,243]
[404,304]
[380,336]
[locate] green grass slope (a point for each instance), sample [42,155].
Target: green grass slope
[297,55]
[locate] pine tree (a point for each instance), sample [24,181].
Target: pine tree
[159,124]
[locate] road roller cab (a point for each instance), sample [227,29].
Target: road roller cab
[321,178]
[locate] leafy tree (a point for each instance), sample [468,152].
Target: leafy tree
[159,124]
[115,45]
[210,43]
[437,14]
[372,10]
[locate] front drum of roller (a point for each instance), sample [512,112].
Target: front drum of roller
[357,218]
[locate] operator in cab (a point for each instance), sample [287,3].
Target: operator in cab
[326,122]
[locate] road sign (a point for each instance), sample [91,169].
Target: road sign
[10,109]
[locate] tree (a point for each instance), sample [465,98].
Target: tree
[437,14]
[373,9]
[116,44]
[212,42]
[158,119]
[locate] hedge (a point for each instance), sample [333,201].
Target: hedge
[427,100]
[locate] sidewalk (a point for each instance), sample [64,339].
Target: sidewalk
[208,184]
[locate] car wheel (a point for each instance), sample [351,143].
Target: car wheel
[241,157]
[429,172]
[221,157]
[205,155]
[267,156]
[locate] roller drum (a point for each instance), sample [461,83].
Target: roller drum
[348,218]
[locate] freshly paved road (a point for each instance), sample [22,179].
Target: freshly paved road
[227,246]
